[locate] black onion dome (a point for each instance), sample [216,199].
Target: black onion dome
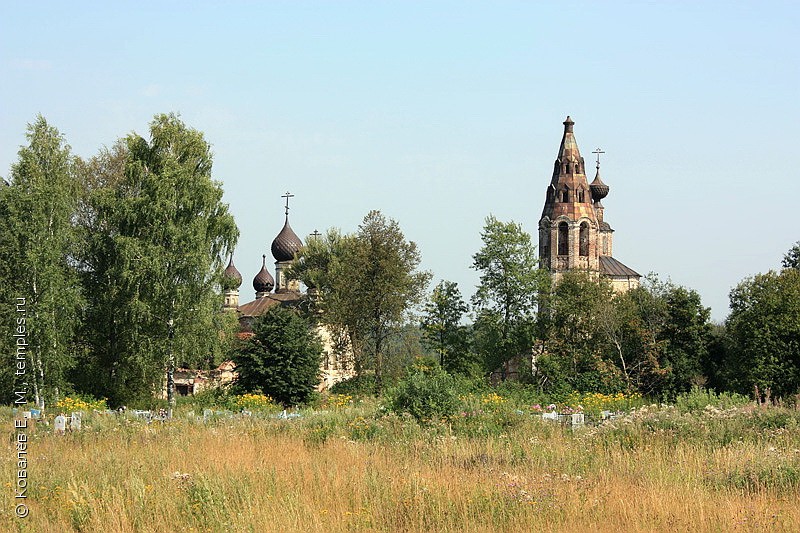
[599,189]
[232,278]
[286,244]
[263,282]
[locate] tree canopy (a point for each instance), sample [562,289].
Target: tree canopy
[40,244]
[764,332]
[442,328]
[282,359]
[506,297]
[156,230]
[365,283]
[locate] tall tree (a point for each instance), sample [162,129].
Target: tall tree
[442,328]
[764,332]
[282,359]
[506,298]
[156,229]
[578,322]
[38,227]
[366,284]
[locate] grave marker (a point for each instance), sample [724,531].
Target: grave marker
[60,426]
[75,421]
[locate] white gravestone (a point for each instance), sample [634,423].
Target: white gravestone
[60,425]
[75,422]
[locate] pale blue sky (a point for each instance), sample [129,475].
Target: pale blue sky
[440,113]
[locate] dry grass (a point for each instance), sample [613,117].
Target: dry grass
[279,475]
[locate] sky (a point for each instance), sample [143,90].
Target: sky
[441,113]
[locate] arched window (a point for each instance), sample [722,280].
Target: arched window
[584,239]
[565,196]
[563,239]
[580,195]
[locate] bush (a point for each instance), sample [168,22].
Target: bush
[698,398]
[363,385]
[77,402]
[427,393]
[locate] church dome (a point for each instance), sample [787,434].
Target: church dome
[263,282]
[286,244]
[599,189]
[231,278]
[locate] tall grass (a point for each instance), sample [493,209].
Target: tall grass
[356,467]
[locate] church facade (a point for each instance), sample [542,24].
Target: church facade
[573,232]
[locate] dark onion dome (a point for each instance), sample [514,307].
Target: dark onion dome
[231,278]
[263,282]
[286,244]
[599,189]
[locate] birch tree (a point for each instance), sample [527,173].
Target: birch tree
[39,208]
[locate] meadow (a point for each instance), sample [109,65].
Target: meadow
[349,464]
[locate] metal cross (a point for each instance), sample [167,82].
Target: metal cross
[287,196]
[598,152]
[316,234]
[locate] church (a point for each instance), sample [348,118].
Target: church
[573,232]
[337,364]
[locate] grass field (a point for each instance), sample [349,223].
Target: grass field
[360,468]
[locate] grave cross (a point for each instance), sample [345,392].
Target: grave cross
[316,235]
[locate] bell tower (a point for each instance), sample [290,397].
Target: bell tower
[569,226]
[573,234]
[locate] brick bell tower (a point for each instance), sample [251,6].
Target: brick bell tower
[569,227]
[572,232]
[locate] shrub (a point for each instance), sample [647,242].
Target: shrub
[427,394]
[255,402]
[80,403]
[363,385]
[698,398]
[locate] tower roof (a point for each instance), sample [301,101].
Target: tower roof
[286,244]
[569,193]
[232,277]
[263,282]
[599,189]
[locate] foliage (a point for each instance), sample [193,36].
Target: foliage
[282,359]
[155,230]
[699,398]
[577,327]
[254,402]
[505,301]
[428,393]
[442,328]
[361,385]
[338,401]
[38,255]
[70,404]
[763,330]
[594,403]
[364,284]
[651,339]
[792,257]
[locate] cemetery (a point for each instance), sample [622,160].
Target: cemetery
[350,462]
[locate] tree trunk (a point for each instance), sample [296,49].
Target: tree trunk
[170,369]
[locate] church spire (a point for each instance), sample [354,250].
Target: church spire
[569,194]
